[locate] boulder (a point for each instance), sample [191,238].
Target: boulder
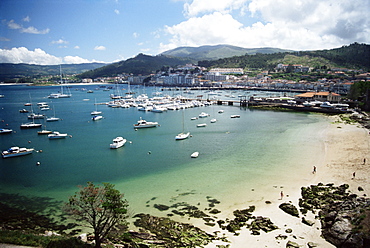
[289,209]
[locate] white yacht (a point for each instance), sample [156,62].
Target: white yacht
[31,125]
[143,124]
[118,142]
[97,117]
[203,115]
[57,135]
[16,151]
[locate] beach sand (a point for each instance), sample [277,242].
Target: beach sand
[345,148]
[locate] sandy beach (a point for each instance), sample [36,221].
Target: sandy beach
[345,148]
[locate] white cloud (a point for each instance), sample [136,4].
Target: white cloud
[30,29]
[75,60]
[26,19]
[38,56]
[23,55]
[60,41]
[197,7]
[77,47]
[116,11]
[290,24]
[100,48]
[135,35]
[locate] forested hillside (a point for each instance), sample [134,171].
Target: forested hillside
[354,56]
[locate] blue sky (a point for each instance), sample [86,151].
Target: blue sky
[78,31]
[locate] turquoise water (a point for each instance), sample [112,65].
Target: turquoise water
[234,153]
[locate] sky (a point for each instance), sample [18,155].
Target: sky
[50,32]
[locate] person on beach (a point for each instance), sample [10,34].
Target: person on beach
[354,175]
[364,160]
[281,195]
[314,170]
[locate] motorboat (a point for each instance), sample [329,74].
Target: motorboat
[44,132]
[203,115]
[118,142]
[182,136]
[235,116]
[202,125]
[95,112]
[57,135]
[213,120]
[36,116]
[4,130]
[220,111]
[194,118]
[97,117]
[144,124]
[16,151]
[194,154]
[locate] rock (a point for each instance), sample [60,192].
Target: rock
[289,230]
[312,244]
[292,244]
[214,211]
[161,207]
[289,209]
[307,222]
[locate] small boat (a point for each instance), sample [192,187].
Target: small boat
[96,112]
[28,104]
[143,124]
[213,120]
[194,154]
[16,151]
[118,142]
[235,116]
[220,111]
[44,132]
[57,135]
[36,116]
[4,130]
[52,119]
[202,125]
[182,136]
[203,115]
[31,125]
[23,111]
[97,117]
[194,118]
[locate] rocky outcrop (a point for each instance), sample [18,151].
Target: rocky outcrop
[345,217]
[289,209]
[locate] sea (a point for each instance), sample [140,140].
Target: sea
[236,155]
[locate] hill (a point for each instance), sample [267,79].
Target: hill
[218,52]
[141,64]
[354,56]
[10,71]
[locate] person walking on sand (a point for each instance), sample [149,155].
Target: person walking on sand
[281,195]
[314,170]
[364,160]
[354,175]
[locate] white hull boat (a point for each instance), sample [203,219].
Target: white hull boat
[235,116]
[52,119]
[4,130]
[194,154]
[31,125]
[57,135]
[203,115]
[97,117]
[118,142]
[202,125]
[182,136]
[16,151]
[44,132]
[145,124]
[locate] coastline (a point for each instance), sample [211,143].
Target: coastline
[345,147]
